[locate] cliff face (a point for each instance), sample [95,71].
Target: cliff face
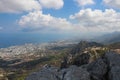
[106,67]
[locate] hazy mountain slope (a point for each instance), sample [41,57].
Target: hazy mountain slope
[108,38]
[115,45]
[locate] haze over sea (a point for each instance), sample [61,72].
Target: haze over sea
[10,39]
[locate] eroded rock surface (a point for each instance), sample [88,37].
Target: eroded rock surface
[97,69]
[71,73]
[106,67]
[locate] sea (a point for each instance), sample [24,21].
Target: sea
[12,39]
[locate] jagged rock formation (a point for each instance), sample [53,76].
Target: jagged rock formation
[113,61]
[76,73]
[97,69]
[81,54]
[81,59]
[106,67]
[51,73]
[82,46]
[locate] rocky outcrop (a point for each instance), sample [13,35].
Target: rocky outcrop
[47,73]
[97,69]
[83,53]
[81,59]
[71,73]
[114,73]
[106,67]
[79,48]
[76,73]
[113,60]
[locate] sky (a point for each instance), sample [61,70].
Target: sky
[73,17]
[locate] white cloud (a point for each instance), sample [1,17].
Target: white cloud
[55,4]
[15,6]
[86,20]
[112,3]
[98,20]
[84,2]
[37,20]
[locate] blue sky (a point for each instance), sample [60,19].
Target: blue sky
[72,17]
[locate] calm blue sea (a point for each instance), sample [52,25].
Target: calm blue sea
[11,39]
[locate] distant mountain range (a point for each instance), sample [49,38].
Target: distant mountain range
[108,38]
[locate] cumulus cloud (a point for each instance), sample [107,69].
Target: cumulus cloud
[15,6]
[112,3]
[55,4]
[37,20]
[98,20]
[86,20]
[84,2]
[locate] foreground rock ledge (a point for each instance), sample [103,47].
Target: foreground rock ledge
[105,68]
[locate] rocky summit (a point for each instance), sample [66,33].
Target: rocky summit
[107,67]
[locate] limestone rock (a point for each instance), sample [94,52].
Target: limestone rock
[113,60]
[97,69]
[105,68]
[81,59]
[71,73]
[114,73]
[44,74]
[76,73]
